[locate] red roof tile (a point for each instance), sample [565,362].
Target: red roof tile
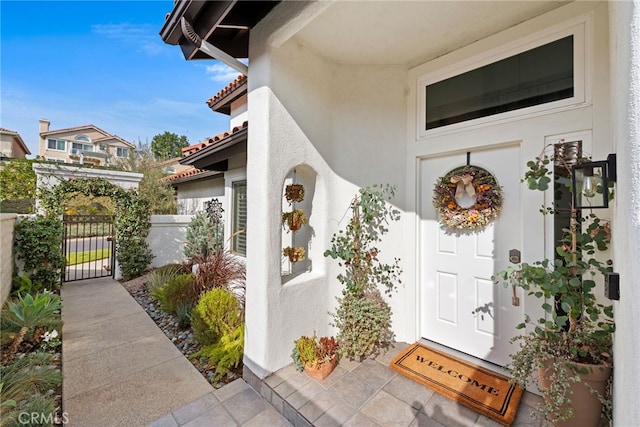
[187,151]
[183,174]
[230,87]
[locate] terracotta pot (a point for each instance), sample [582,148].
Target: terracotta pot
[294,193]
[586,406]
[323,370]
[294,223]
[294,257]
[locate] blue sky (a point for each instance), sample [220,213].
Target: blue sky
[102,63]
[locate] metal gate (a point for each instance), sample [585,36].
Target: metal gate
[88,245]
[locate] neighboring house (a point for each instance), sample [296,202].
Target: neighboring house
[12,145]
[217,167]
[172,166]
[86,144]
[338,101]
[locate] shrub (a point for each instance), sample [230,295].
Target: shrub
[220,269]
[201,332]
[38,243]
[183,312]
[178,290]
[226,353]
[160,276]
[363,317]
[25,385]
[364,324]
[30,313]
[220,311]
[203,236]
[218,323]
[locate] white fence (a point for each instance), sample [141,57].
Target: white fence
[166,238]
[7,226]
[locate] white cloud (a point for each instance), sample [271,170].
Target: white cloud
[142,36]
[222,73]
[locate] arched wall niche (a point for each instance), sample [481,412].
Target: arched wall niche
[303,237]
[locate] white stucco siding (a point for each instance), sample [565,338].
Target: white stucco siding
[347,125]
[192,195]
[625,86]
[355,125]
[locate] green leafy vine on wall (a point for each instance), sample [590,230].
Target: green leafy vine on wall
[132,219]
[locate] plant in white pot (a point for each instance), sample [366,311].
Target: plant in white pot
[573,343]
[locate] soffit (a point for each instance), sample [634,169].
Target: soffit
[410,32]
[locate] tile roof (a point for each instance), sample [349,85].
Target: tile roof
[187,151]
[183,174]
[5,130]
[227,89]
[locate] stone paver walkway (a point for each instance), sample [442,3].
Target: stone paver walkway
[121,370]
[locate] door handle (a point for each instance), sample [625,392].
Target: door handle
[514,256]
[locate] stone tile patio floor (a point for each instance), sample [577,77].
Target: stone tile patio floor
[355,394]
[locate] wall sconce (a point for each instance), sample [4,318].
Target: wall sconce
[590,183]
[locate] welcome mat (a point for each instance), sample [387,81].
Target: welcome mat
[480,389]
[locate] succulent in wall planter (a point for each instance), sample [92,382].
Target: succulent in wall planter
[294,219]
[315,356]
[295,254]
[294,193]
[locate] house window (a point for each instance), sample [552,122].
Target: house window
[49,159]
[76,147]
[239,223]
[122,152]
[534,77]
[56,144]
[83,138]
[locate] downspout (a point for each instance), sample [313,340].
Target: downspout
[211,50]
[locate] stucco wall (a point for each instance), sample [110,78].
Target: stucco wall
[354,126]
[166,238]
[7,223]
[625,86]
[192,195]
[332,119]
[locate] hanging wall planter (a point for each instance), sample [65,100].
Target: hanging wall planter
[295,254]
[294,219]
[294,193]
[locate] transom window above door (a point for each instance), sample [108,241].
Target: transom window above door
[543,73]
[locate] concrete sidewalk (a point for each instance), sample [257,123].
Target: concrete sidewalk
[119,369]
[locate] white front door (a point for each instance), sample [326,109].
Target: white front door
[460,306]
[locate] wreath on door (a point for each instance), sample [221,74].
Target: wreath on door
[471,183]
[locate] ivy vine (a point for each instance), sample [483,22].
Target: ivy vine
[132,219]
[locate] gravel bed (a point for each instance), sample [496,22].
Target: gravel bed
[182,338]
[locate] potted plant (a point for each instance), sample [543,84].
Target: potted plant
[363,317]
[294,193]
[294,219]
[574,342]
[295,254]
[315,356]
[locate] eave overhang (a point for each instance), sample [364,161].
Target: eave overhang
[223,23]
[196,177]
[215,156]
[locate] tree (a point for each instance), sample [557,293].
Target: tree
[158,193]
[167,145]
[17,185]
